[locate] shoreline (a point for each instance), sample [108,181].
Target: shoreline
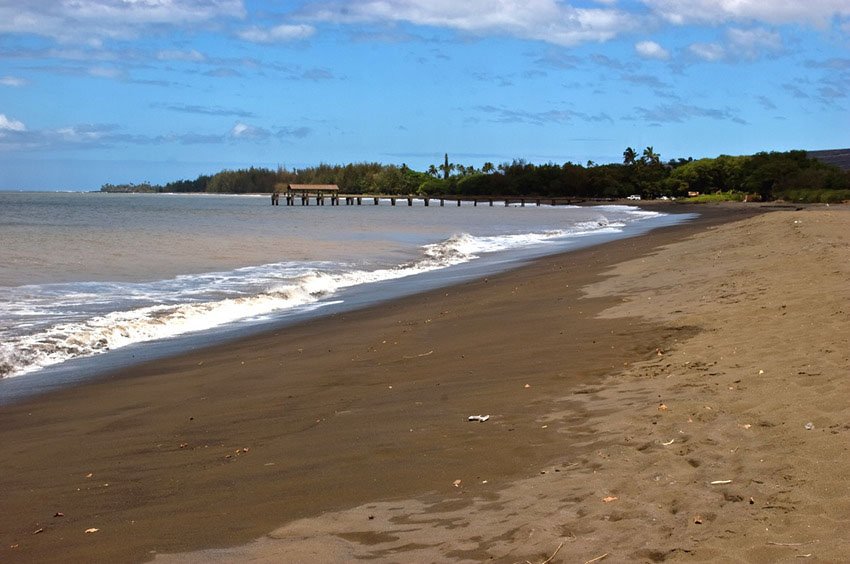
[74,370]
[728,446]
[218,446]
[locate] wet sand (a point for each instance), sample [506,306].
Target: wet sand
[351,432]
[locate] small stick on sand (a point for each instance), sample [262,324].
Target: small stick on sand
[418,355]
[553,554]
[791,543]
[597,559]
[551,557]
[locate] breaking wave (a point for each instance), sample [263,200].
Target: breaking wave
[53,323]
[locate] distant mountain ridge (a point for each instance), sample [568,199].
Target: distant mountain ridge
[835,157]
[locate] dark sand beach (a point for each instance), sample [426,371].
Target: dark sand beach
[648,400]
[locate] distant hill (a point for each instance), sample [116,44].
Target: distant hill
[836,157]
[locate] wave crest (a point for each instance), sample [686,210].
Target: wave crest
[188,304]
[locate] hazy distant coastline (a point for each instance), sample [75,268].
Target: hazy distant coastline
[794,176]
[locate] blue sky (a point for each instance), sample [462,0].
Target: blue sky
[95,91]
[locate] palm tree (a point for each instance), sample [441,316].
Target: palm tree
[650,157]
[629,156]
[487,168]
[447,167]
[432,171]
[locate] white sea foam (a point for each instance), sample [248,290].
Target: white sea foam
[58,322]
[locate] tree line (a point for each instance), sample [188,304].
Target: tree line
[787,175]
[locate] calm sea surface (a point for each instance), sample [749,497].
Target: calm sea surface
[86,273]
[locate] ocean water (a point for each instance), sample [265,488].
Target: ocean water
[84,274]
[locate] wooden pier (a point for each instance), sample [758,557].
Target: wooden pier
[320,194]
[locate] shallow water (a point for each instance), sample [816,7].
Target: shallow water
[86,273]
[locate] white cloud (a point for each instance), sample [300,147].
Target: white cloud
[250,132]
[13,81]
[280,33]
[86,55]
[297,132]
[7,124]
[740,44]
[814,12]
[84,133]
[14,137]
[542,20]
[651,50]
[708,51]
[680,112]
[106,72]
[750,43]
[91,21]
[191,56]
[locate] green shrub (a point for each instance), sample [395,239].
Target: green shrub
[716,197]
[816,196]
